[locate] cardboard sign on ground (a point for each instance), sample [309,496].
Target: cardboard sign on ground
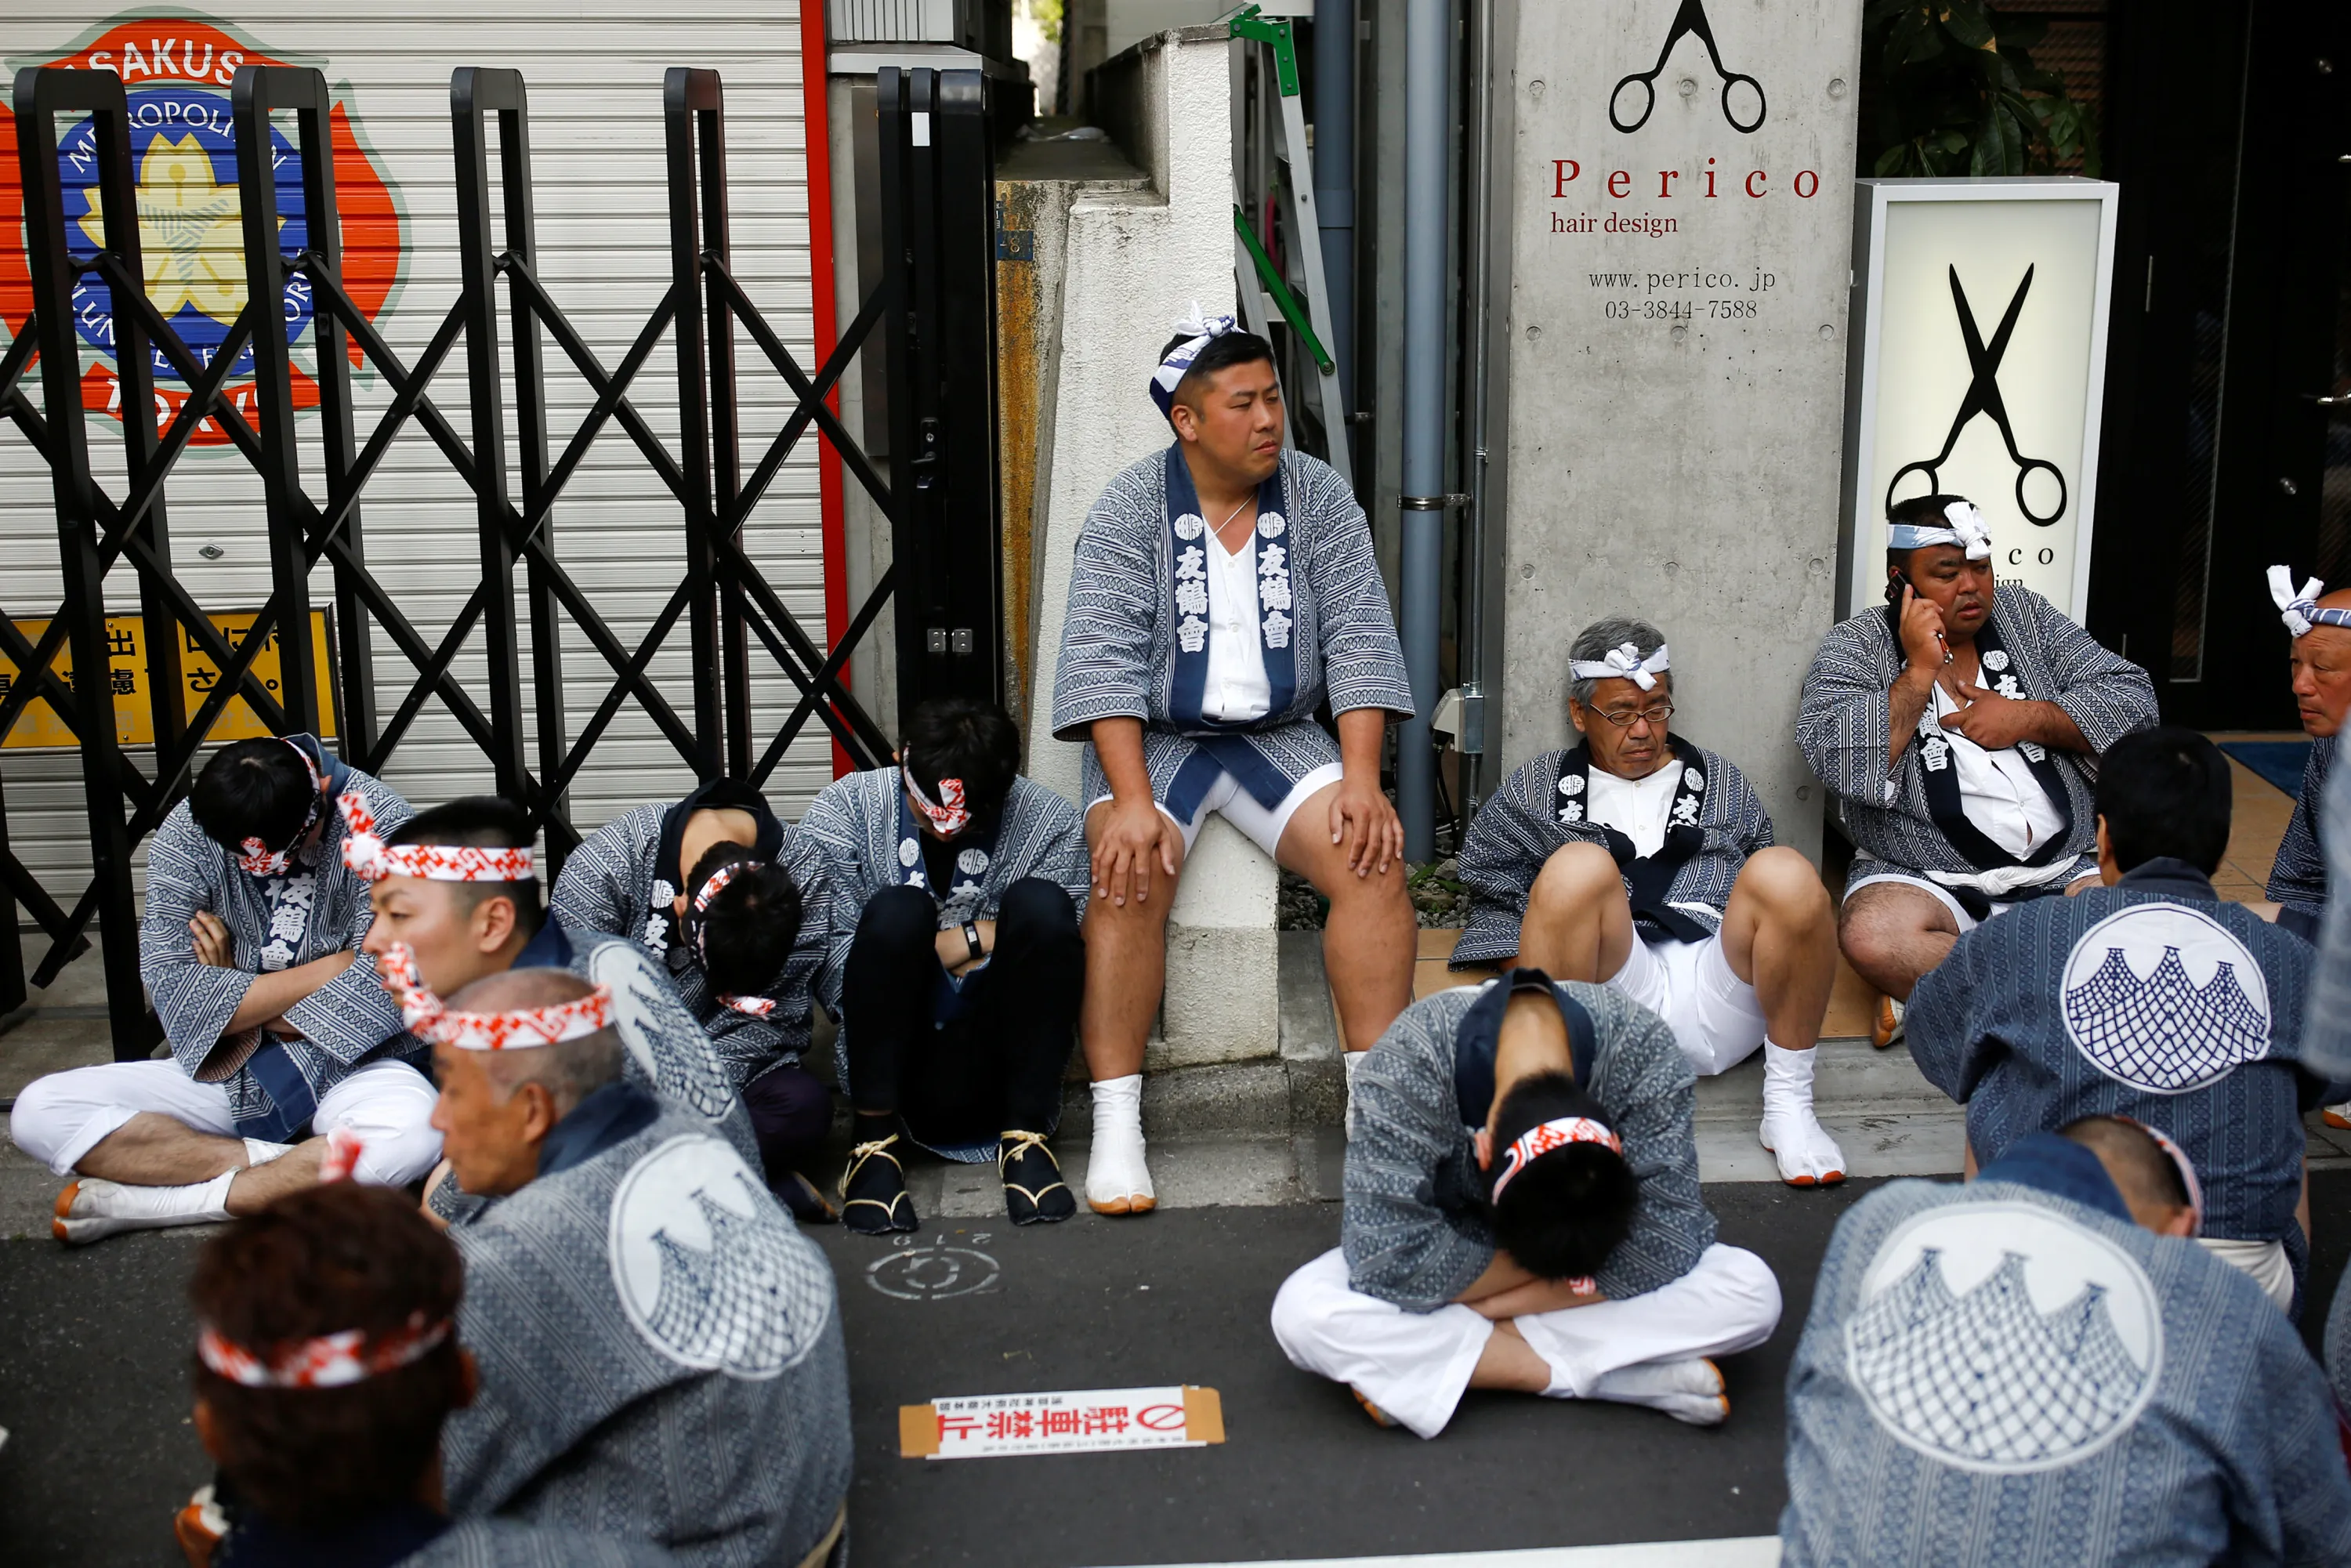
[1085,1421]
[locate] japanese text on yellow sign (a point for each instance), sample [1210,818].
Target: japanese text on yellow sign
[134,722]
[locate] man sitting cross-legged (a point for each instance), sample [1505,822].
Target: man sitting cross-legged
[956,964]
[457,886]
[327,1360]
[2038,1367]
[660,1347]
[730,901]
[1224,590]
[1522,1212]
[2149,997]
[1956,726]
[276,1037]
[1641,860]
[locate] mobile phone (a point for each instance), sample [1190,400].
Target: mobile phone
[1896,584]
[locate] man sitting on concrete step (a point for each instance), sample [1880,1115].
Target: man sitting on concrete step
[278,1037]
[2146,997]
[660,1347]
[327,1361]
[955,964]
[1522,1212]
[2040,1367]
[1641,860]
[1225,590]
[1956,727]
[456,885]
[730,902]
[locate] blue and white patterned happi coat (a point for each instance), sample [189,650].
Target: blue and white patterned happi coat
[1520,828]
[1418,1231]
[2151,998]
[610,884]
[661,1356]
[1994,1374]
[347,1022]
[2298,876]
[853,827]
[1843,725]
[1118,640]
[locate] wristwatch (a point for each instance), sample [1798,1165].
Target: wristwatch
[971,940]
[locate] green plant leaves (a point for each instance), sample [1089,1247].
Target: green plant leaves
[1958,92]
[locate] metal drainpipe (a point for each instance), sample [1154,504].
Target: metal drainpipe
[1334,181]
[1471,741]
[1428,51]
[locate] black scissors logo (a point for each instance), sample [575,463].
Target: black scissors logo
[1690,18]
[1983,397]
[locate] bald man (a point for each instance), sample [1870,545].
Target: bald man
[2041,1366]
[638,1302]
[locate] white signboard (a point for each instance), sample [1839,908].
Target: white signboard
[1979,369]
[1097,1420]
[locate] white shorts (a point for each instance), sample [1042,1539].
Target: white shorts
[1715,1016]
[1941,895]
[60,1118]
[1239,807]
[1416,1365]
[2266,1261]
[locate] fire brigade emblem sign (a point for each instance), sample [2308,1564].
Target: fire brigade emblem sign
[176,72]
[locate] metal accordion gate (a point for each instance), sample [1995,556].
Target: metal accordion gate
[943,518]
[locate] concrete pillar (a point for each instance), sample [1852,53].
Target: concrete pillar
[1129,263]
[1676,348]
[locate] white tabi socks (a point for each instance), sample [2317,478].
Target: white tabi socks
[1807,1154]
[92,1208]
[1117,1179]
[1688,1390]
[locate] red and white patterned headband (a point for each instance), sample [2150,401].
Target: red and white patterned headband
[1536,1142]
[2179,1160]
[430,1021]
[949,819]
[329,1361]
[373,860]
[258,858]
[750,1007]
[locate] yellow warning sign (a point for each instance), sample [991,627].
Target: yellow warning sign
[134,720]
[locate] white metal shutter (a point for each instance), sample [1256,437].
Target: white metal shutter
[594,69]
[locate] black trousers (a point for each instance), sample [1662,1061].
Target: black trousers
[998,1063]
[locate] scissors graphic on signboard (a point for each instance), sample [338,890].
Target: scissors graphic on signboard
[1690,18]
[1983,397]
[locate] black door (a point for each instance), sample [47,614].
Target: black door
[2230,131]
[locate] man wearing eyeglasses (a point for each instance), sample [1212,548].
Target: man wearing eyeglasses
[1638,860]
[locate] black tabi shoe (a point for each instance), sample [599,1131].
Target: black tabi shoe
[873,1190]
[800,1195]
[1034,1192]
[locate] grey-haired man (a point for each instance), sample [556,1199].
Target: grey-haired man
[1638,860]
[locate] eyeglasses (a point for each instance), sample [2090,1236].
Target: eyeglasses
[1656,713]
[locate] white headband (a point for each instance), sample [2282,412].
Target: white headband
[1967,529]
[1623,663]
[1556,1133]
[1198,331]
[2300,611]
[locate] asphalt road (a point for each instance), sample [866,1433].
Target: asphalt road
[93,1380]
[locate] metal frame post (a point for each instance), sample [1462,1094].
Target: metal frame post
[41,95]
[1428,53]
[474,95]
[686,95]
[257,91]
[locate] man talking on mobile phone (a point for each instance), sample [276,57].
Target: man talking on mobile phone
[1957,729]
